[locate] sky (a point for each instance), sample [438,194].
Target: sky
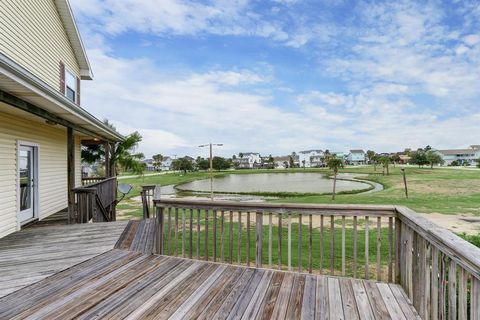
[276,76]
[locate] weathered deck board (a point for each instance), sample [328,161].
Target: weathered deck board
[125,284]
[32,254]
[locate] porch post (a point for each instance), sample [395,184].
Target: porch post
[108,173]
[70,173]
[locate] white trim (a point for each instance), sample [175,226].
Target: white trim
[36,181]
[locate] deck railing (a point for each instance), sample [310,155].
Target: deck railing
[439,271]
[96,201]
[91,180]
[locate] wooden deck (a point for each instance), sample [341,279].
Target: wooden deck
[124,284]
[33,254]
[130,282]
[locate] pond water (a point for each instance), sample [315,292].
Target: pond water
[273,182]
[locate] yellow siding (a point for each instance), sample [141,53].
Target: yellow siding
[33,35]
[52,175]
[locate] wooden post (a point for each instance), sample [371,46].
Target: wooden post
[70,173]
[108,174]
[159,231]
[405,182]
[113,173]
[258,236]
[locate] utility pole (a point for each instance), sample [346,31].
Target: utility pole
[210,145]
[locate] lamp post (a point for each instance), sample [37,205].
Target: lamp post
[210,145]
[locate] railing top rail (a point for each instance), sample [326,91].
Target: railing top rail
[331,209]
[462,252]
[93,185]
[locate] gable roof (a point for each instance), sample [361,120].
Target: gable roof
[68,20]
[310,151]
[357,151]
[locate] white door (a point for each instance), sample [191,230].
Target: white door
[27,178]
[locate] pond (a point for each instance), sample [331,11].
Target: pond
[298,182]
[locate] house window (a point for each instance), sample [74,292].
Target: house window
[70,86]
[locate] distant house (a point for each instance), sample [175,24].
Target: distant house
[311,158]
[356,157]
[404,158]
[166,164]
[249,160]
[149,165]
[281,162]
[462,156]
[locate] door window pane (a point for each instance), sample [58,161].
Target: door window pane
[25,168]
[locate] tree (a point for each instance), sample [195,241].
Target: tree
[182,164]
[334,164]
[219,163]
[478,163]
[370,156]
[395,159]
[303,164]
[157,161]
[418,157]
[291,162]
[285,164]
[123,153]
[433,158]
[202,164]
[385,161]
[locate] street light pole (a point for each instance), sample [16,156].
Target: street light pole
[210,145]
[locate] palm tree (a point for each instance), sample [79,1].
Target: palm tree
[385,162]
[334,164]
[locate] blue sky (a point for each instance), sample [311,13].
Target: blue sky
[285,75]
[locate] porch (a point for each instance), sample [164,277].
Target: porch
[217,260]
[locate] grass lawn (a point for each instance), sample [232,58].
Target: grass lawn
[449,191]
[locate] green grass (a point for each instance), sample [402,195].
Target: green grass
[449,191]
[171,243]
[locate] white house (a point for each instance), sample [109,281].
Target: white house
[467,156]
[356,157]
[249,160]
[42,123]
[311,158]
[281,162]
[166,164]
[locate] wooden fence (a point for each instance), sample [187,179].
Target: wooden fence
[96,201]
[439,271]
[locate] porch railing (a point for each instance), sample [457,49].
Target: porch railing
[439,271]
[96,201]
[91,180]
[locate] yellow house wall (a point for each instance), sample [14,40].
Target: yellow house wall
[33,36]
[52,172]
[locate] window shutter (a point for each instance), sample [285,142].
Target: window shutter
[78,91]
[62,77]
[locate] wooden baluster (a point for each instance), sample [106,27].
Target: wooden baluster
[398,250]
[214,241]
[475,299]
[366,247]
[258,239]
[289,242]
[462,293]
[230,236]
[159,234]
[280,229]
[222,235]
[443,285]
[390,249]
[310,231]
[343,246]
[248,238]
[379,249]
[198,234]
[191,234]
[300,224]
[206,236]
[183,232]
[239,240]
[427,278]
[355,248]
[452,290]
[434,284]
[270,240]
[332,245]
[175,243]
[169,235]
[321,244]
